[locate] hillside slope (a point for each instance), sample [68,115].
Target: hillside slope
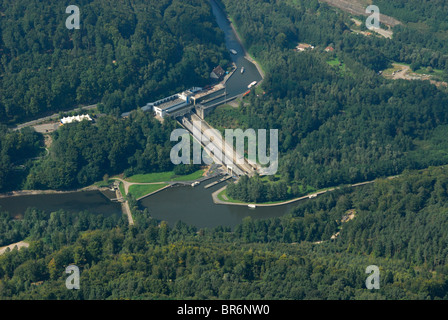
[124,54]
[359,8]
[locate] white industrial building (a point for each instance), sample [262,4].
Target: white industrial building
[78,118]
[175,102]
[169,105]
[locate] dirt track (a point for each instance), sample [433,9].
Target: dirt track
[19,245]
[406,73]
[356,8]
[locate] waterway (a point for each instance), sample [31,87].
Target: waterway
[238,82]
[91,201]
[193,206]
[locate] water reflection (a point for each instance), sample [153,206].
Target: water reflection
[92,201]
[195,206]
[238,82]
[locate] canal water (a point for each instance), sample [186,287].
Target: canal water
[91,201]
[238,82]
[194,206]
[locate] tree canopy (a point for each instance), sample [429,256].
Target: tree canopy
[124,54]
[320,250]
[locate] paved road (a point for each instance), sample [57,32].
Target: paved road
[218,201]
[128,184]
[48,118]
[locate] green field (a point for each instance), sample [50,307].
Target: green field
[429,70]
[102,184]
[164,177]
[224,193]
[227,117]
[436,74]
[138,190]
[121,187]
[335,62]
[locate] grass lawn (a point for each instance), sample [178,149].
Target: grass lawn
[164,176]
[425,70]
[436,74]
[102,184]
[121,187]
[140,190]
[335,62]
[224,193]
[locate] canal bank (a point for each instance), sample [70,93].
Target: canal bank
[218,193]
[94,201]
[217,200]
[19,193]
[238,83]
[192,205]
[238,37]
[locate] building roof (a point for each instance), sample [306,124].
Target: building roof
[218,71]
[302,46]
[169,104]
[78,118]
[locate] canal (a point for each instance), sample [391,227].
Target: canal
[192,205]
[91,201]
[238,82]
[195,206]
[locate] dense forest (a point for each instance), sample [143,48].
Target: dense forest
[17,149]
[85,152]
[424,32]
[82,153]
[314,252]
[125,54]
[428,13]
[256,190]
[269,26]
[338,123]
